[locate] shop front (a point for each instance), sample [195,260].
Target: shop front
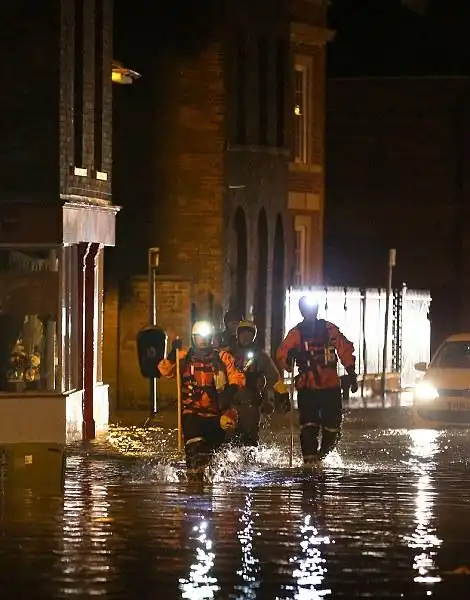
[51,302]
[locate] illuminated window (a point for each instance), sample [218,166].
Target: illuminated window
[300,109]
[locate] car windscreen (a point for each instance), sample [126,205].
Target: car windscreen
[453,355]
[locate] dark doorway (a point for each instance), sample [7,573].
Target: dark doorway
[262,277]
[278,287]
[238,295]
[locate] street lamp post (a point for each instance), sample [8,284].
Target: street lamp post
[392,254]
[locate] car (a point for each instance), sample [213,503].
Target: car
[442,397]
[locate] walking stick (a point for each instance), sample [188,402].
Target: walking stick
[291,416]
[180,411]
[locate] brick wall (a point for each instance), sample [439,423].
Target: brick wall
[173,314]
[111,343]
[36,103]
[29,99]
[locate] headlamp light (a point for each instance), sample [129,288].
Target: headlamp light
[425,391]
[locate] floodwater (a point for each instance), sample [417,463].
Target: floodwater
[387,517]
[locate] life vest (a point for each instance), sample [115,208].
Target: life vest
[317,351]
[201,382]
[246,361]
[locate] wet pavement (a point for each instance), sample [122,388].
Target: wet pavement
[387,517]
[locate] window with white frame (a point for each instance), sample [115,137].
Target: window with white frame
[302,87]
[301,244]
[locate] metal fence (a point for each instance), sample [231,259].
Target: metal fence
[360,314]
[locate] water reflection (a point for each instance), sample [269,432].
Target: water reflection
[200,584]
[424,541]
[309,575]
[250,564]
[85,557]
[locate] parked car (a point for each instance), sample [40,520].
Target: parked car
[442,397]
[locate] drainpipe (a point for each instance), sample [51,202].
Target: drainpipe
[89,318]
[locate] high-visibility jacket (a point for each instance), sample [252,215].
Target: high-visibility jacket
[200,379]
[318,349]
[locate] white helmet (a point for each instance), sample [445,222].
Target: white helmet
[204,330]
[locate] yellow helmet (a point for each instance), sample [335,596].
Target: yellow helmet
[245,324]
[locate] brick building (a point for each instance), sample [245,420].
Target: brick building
[397,150]
[219,162]
[56,214]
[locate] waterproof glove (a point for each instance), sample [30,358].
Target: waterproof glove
[175,345]
[227,395]
[352,379]
[229,420]
[293,355]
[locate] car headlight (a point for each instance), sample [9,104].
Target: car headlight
[425,392]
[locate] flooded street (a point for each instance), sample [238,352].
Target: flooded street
[387,517]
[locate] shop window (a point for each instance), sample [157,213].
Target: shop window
[69,308]
[29,331]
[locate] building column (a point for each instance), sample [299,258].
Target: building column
[89,338]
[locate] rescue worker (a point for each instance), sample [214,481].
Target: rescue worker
[209,381]
[227,338]
[262,381]
[315,345]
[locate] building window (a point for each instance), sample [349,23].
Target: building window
[99,67]
[241,87]
[29,330]
[301,244]
[300,114]
[78,85]
[281,53]
[263,90]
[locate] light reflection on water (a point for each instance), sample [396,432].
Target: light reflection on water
[130,526]
[424,541]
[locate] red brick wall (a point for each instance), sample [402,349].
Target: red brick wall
[111,343]
[120,364]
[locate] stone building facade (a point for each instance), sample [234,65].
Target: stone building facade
[221,166]
[56,214]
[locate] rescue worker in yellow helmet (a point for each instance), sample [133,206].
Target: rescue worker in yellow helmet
[262,381]
[315,345]
[209,381]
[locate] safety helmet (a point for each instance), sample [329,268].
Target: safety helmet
[233,315]
[204,329]
[245,324]
[308,304]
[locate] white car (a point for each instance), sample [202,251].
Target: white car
[442,397]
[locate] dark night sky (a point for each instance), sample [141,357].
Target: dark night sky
[381,37]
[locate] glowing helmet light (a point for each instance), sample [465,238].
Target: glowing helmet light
[203,329]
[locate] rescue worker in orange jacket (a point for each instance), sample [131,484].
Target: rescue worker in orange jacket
[209,381]
[262,382]
[315,346]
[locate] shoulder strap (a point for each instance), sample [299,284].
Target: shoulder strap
[217,362]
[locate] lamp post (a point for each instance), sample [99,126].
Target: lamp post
[392,255]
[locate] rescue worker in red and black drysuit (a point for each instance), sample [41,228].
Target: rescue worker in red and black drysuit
[209,381]
[315,345]
[262,381]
